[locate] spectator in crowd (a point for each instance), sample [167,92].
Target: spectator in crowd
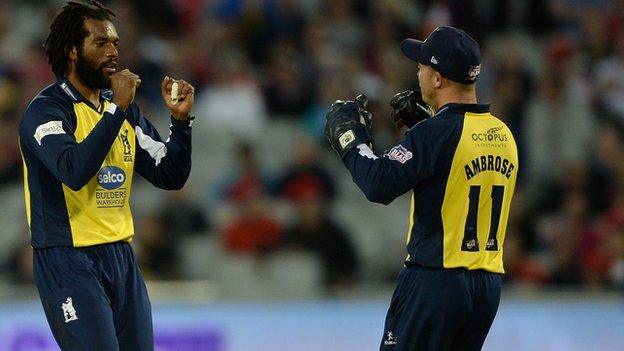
[157,249]
[513,82]
[562,234]
[253,229]
[315,231]
[307,172]
[9,153]
[606,243]
[310,188]
[250,226]
[246,176]
[559,122]
[522,268]
[609,75]
[289,81]
[233,102]
[182,216]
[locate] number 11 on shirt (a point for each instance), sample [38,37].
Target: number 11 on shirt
[470,242]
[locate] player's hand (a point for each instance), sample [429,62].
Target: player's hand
[345,126]
[408,108]
[181,110]
[123,85]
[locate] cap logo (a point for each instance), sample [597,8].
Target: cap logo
[474,71]
[433,60]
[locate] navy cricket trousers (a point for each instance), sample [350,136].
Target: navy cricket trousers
[441,309]
[94,297]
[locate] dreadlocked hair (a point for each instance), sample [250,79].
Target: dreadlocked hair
[67,30]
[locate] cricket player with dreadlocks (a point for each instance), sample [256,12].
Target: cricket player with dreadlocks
[82,138]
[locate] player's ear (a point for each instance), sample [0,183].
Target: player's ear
[72,54]
[437,80]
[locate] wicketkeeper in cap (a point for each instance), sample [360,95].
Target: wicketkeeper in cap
[460,164]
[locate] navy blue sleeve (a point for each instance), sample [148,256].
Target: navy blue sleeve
[384,178]
[166,164]
[47,131]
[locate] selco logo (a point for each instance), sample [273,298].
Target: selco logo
[491,135]
[111,177]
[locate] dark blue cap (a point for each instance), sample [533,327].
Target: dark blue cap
[448,50]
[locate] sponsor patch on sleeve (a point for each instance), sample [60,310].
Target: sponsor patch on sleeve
[48,128]
[400,154]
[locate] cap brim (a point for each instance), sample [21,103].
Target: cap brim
[412,48]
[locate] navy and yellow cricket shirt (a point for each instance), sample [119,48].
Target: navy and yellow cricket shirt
[79,163]
[461,165]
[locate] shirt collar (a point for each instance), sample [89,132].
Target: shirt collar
[475,108]
[72,92]
[69,89]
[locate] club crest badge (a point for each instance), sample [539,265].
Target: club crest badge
[69,312]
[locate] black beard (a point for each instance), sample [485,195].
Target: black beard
[90,74]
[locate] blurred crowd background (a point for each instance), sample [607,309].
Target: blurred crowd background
[269,209]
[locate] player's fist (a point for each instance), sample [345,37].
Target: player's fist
[408,108]
[178,97]
[123,85]
[345,127]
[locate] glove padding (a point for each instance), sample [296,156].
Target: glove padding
[366,116]
[408,108]
[347,124]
